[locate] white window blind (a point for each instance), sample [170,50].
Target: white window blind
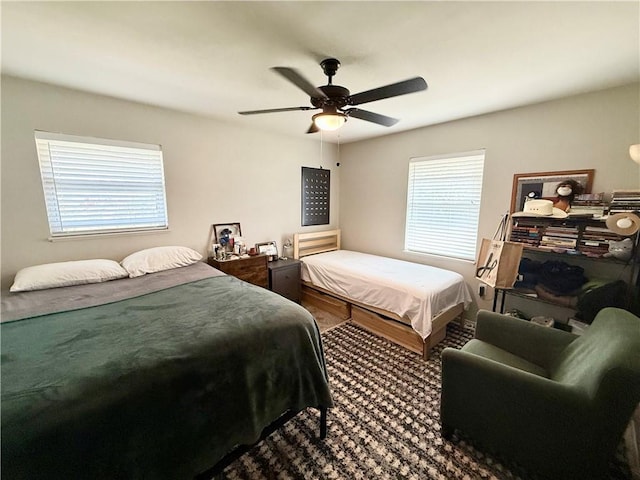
[93,185]
[443,204]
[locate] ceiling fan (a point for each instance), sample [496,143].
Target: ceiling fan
[334,99]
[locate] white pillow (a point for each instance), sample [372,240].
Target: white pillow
[64,274]
[159,258]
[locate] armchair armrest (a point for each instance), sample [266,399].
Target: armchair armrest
[537,344]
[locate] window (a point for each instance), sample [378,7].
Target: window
[443,204]
[96,186]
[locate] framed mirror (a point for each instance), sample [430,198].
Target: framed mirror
[544,184]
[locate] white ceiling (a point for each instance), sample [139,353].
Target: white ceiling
[213,58]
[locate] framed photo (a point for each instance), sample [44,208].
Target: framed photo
[544,184]
[268,248]
[223,232]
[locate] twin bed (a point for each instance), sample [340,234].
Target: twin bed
[407,303]
[158,376]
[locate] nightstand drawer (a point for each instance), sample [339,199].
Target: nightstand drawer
[249,269]
[284,279]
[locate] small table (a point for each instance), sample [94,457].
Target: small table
[284,278]
[250,269]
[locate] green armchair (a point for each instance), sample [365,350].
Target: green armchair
[555,403]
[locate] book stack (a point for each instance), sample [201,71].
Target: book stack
[625,201]
[526,231]
[589,205]
[559,238]
[595,241]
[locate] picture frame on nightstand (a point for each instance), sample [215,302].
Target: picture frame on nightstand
[268,248]
[226,230]
[225,235]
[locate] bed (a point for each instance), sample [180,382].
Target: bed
[159,376]
[407,303]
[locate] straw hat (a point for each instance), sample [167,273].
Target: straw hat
[540,208]
[623,223]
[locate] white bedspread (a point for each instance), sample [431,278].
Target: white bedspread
[411,290]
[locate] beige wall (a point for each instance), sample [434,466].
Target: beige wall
[581,132]
[215,173]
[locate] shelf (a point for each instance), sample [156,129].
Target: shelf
[535,298]
[581,238]
[578,255]
[573,234]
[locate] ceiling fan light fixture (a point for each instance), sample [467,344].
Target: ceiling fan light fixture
[329,120]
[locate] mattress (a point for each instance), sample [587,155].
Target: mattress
[410,290]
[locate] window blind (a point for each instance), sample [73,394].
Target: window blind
[443,204]
[94,185]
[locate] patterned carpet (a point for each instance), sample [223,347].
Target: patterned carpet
[385,424]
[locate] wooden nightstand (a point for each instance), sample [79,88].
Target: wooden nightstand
[284,278]
[249,269]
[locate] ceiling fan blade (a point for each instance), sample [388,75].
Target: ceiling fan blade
[401,88]
[274,110]
[299,81]
[313,128]
[371,117]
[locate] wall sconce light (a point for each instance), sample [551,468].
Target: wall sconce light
[634,152]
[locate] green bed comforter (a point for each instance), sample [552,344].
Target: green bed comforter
[157,386]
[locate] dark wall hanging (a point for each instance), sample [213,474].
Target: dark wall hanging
[316,189]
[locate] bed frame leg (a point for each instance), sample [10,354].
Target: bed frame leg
[426,350]
[323,422]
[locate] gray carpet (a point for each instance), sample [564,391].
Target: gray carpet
[385,424]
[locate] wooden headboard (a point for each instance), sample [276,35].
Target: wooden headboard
[317,242]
